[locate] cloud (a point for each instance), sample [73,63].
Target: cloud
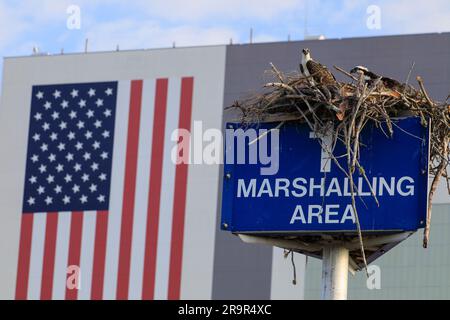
[191,11]
[43,11]
[10,25]
[344,12]
[19,20]
[130,34]
[404,16]
[156,23]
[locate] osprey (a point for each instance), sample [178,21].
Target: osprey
[320,74]
[370,78]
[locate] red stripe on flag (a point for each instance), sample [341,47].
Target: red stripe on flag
[129,189]
[23,266]
[154,192]
[76,229]
[98,268]
[179,203]
[49,255]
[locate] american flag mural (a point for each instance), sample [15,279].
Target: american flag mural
[101,192]
[92,205]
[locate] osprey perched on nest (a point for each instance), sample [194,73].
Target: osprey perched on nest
[370,78]
[320,74]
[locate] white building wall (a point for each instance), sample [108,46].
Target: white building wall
[206,65]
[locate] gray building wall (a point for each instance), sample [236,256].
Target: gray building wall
[408,271]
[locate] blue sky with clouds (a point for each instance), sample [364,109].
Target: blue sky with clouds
[158,23]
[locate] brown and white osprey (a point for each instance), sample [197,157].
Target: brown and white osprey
[320,73]
[370,78]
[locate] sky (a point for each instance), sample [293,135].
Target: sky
[55,25]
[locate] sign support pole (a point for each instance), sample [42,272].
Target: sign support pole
[334,272]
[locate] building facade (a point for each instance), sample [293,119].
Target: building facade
[190,257]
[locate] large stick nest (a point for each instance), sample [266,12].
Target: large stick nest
[347,107]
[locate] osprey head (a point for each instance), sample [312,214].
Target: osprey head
[362,69]
[306,54]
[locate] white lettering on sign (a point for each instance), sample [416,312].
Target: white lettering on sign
[409,187]
[315,213]
[265,189]
[329,213]
[300,187]
[242,190]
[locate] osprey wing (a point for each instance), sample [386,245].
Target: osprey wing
[320,73]
[392,84]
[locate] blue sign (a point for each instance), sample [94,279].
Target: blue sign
[305,192]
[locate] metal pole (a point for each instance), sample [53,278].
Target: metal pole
[334,273]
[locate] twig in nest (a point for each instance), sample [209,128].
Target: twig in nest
[409,73]
[422,88]
[350,165]
[266,133]
[294,281]
[286,253]
[280,85]
[345,72]
[277,72]
[434,184]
